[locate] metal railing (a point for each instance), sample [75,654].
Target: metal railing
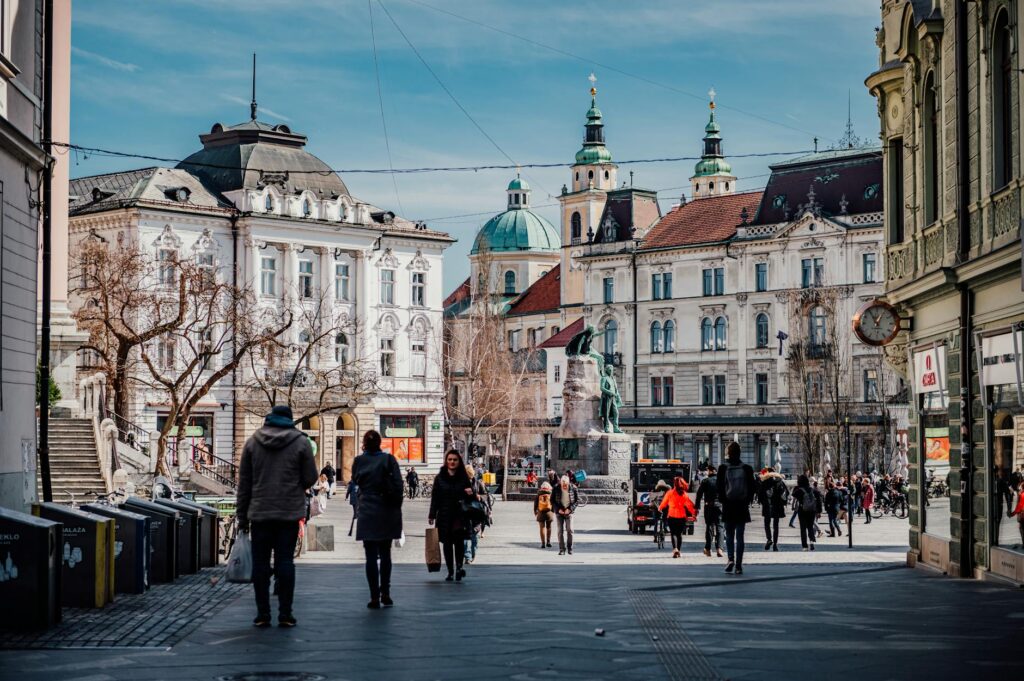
[211,466]
[130,433]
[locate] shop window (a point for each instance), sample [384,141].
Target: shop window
[935,463]
[404,437]
[1008,471]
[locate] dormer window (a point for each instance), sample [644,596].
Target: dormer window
[268,203]
[182,194]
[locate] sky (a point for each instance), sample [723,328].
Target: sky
[149,77]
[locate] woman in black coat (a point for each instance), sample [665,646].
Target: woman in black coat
[378,478]
[452,486]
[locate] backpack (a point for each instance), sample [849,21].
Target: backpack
[736,483]
[808,504]
[543,503]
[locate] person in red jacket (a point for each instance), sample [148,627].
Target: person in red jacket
[680,509]
[867,498]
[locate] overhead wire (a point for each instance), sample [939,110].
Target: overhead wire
[380,100]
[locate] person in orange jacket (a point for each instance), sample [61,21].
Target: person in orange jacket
[680,509]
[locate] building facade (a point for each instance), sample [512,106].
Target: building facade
[949,102]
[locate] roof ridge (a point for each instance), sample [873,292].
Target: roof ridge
[119,172]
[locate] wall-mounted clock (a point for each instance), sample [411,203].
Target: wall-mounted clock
[876,323]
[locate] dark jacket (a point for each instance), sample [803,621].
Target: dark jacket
[328,470]
[379,511]
[446,506]
[736,511]
[833,500]
[773,495]
[798,498]
[556,499]
[707,493]
[276,470]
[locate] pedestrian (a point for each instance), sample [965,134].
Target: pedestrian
[544,513]
[736,489]
[277,468]
[818,495]
[773,495]
[1018,509]
[329,472]
[867,499]
[564,500]
[321,490]
[475,529]
[552,478]
[806,501]
[412,482]
[680,511]
[833,501]
[452,487]
[858,493]
[660,489]
[707,492]
[379,480]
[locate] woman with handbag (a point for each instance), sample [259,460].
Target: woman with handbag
[452,487]
[378,477]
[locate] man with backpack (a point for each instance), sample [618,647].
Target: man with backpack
[773,496]
[707,492]
[736,490]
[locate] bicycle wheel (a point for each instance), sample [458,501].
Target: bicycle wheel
[582,500]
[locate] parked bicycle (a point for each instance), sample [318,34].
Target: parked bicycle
[894,504]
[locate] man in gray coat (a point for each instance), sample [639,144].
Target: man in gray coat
[276,470]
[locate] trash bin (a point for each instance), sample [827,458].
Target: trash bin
[209,532]
[131,548]
[188,535]
[30,570]
[163,538]
[87,552]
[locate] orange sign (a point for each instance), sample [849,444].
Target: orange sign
[405,449]
[936,449]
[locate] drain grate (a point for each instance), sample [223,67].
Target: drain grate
[677,651]
[272,676]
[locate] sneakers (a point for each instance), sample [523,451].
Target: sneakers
[768,545]
[286,621]
[739,569]
[730,567]
[385,600]
[805,548]
[675,553]
[262,621]
[707,552]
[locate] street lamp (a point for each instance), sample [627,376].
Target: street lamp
[849,481]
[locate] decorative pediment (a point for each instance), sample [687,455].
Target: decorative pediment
[387,325]
[168,239]
[712,310]
[206,243]
[812,243]
[387,259]
[419,327]
[419,263]
[663,312]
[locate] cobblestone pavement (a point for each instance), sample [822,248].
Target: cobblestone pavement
[527,614]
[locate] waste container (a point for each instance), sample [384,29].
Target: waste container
[209,532]
[188,535]
[163,538]
[30,570]
[87,552]
[131,548]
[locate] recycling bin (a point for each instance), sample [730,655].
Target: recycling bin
[188,535]
[87,553]
[163,538]
[131,548]
[209,532]
[30,570]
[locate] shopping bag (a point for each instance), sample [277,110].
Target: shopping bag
[316,507]
[432,550]
[400,542]
[240,561]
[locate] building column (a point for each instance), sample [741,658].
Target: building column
[289,286]
[327,284]
[782,366]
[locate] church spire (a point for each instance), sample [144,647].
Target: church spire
[593,150]
[712,176]
[252,103]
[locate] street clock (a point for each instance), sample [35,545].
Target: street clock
[876,323]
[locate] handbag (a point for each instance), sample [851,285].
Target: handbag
[474,510]
[315,507]
[432,550]
[240,561]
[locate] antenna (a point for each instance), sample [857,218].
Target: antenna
[252,104]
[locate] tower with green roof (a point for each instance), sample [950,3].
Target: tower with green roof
[712,176]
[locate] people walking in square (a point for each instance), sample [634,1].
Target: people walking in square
[680,510]
[707,493]
[833,502]
[277,468]
[412,482]
[544,513]
[379,479]
[808,507]
[773,495]
[452,486]
[564,500]
[736,489]
[329,473]
[661,488]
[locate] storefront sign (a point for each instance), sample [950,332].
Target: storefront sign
[190,431]
[435,425]
[930,370]
[1000,360]
[400,432]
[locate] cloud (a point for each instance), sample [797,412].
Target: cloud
[105,61]
[262,109]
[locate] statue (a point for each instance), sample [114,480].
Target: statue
[610,402]
[580,346]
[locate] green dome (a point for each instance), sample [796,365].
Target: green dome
[599,154]
[518,184]
[712,166]
[517,230]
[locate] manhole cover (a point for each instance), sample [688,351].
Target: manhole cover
[272,676]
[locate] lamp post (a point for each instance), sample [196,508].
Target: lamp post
[849,481]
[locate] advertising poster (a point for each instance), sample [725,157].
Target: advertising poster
[416,450]
[387,445]
[936,446]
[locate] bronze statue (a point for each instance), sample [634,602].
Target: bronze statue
[610,402]
[580,345]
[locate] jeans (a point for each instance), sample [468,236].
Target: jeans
[564,528]
[806,527]
[771,529]
[793,517]
[454,552]
[713,530]
[279,537]
[833,523]
[734,540]
[379,579]
[470,546]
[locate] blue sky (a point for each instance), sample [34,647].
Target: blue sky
[149,77]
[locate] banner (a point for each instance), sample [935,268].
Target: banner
[1000,361]
[930,370]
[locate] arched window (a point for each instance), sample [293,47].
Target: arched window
[510,283]
[268,203]
[611,337]
[1002,97]
[720,333]
[656,337]
[576,223]
[307,208]
[590,174]
[670,336]
[817,328]
[706,339]
[341,349]
[931,150]
[761,330]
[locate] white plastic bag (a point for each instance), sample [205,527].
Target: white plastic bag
[240,561]
[400,542]
[316,506]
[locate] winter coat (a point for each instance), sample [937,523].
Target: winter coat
[833,500]
[556,499]
[379,512]
[867,497]
[736,511]
[446,508]
[798,497]
[707,492]
[773,495]
[277,468]
[328,470]
[679,505]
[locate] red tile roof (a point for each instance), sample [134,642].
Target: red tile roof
[562,338]
[458,295]
[701,221]
[545,295]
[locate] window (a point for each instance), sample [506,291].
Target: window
[306,278]
[1002,100]
[656,392]
[662,391]
[513,340]
[268,203]
[387,356]
[812,272]
[341,281]
[655,287]
[719,389]
[815,387]
[609,289]
[661,286]
[307,208]
[207,269]
[871,385]
[714,281]
[818,326]
[404,437]
[419,358]
[387,287]
[611,337]
[761,276]
[719,281]
[165,352]
[895,194]
[670,336]
[558,373]
[706,337]
[341,349]
[761,330]
[761,388]
[268,275]
[555,330]
[531,338]
[656,337]
[720,333]
[931,150]
[510,283]
[576,227]
[709,285]
[707,390]
[869,260]
[419,289]
[165,267]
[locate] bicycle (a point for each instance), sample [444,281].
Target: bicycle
[895,506]
[659,531]
[581,499]
[424,490]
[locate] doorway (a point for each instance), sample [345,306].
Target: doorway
[345,445]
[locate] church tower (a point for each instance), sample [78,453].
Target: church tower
[712,176]
[593,175]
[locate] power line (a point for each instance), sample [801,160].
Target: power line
[380,100]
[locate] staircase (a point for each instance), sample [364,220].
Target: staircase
[74,466]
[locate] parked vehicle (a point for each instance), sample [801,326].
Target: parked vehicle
[643,476]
